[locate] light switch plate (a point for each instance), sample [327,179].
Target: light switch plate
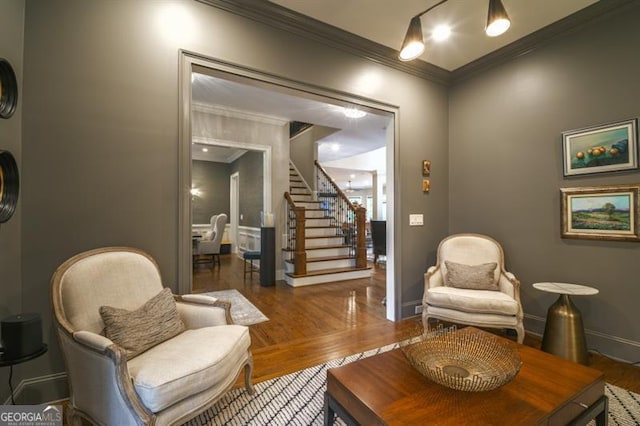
[416,220]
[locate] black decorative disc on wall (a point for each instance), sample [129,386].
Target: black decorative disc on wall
[9,185]
[8,89]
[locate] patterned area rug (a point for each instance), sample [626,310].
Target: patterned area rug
[298,399]
[243,312]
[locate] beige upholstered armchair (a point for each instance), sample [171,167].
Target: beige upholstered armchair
[469,285]
[211,241]
[135,354]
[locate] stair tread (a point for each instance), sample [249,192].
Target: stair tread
[321,248]
[322,236]
[326,272]
[325,258]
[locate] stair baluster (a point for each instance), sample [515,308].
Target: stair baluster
[348,219]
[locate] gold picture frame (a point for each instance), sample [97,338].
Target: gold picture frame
[601,212]
[426,167]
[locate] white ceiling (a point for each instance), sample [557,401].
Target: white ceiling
[386,22]
[353,137]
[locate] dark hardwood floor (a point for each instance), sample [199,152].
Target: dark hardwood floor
[311,325]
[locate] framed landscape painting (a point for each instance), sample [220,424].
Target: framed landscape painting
[608,148]
[601,213]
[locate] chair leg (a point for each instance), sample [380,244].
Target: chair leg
[73,418]
[244,270]
[248,368]
[520,333]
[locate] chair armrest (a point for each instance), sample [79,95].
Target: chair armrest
[208,247]
[509,284]
[199,311]
[98,376]
[433,277]
[92,340]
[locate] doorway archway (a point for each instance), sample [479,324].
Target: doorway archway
[191,62]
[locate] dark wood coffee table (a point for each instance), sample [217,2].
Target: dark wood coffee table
[386,390]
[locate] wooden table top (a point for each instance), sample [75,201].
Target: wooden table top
[386,389]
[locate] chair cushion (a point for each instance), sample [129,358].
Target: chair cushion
[473,301]
[251,255]
[152,323]
[476,277]
[189,363]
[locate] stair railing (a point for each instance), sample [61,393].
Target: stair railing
[347,220]
[295,246]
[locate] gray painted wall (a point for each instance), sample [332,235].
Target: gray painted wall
[254,134]
[11,46]
[251,172]
[506,171]
[100,157]
[304,149]
[212,179]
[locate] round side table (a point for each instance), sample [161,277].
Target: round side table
[564,330]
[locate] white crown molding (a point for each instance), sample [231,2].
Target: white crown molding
[236,154]
[225,111]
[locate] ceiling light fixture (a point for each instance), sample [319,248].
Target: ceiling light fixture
[413,45]
[497,20]
[349,188]
[353,112]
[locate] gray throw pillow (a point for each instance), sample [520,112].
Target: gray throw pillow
[152,323]
[474,277]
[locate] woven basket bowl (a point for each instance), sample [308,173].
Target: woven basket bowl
[471,362]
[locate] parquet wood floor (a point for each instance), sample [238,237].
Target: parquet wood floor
[311,325]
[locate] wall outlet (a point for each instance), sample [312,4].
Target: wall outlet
[418,309]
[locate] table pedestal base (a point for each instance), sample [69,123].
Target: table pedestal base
[564,332]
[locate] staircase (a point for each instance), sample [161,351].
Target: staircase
[325,253]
